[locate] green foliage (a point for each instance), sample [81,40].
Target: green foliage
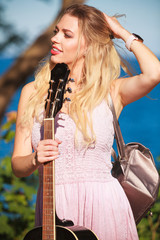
[149,227]
[17,203]
[8,128]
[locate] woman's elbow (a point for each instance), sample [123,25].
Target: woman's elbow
[155,76]
[17,169]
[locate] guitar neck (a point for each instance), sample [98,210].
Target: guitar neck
[48,228]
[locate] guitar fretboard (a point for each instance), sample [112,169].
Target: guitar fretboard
[48,226]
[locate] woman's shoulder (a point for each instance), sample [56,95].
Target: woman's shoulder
[28,90]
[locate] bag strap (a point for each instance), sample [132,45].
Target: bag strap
[118,134]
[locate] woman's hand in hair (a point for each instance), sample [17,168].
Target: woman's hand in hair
[117,30]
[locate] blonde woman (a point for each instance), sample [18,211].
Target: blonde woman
[86,192]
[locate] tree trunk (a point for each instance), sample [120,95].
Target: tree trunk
[26,63]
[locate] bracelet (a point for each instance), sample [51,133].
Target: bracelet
[131,39]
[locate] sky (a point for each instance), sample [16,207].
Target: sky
[31,17]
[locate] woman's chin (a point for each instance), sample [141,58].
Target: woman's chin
[56,60]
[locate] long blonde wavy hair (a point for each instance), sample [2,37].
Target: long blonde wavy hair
[101,67]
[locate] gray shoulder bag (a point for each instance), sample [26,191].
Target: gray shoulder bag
[135,169]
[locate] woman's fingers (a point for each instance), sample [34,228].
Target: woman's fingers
[49,157]
[114,25]
[47,150]
[58,141]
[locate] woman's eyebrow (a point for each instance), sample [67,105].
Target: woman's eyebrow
[64,29]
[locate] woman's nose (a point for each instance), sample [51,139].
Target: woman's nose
[55,38]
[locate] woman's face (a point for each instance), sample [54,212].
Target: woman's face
[65,41]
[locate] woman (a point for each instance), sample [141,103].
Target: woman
[86,192]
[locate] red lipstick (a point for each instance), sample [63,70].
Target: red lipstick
[55,51]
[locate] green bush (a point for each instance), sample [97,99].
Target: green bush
[149,227]
[17,203]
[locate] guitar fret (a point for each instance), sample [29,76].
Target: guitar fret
[49,190]
[48,185]
[49,222]
[48,211]
[48,206]
[48,181]
[46,237]
[48,214]
[49,175]
[50,197]
[49,231]
[48,194]
[48,226]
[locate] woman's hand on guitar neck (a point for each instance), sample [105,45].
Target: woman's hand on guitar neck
[47,150]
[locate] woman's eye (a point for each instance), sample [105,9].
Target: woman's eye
[67,35]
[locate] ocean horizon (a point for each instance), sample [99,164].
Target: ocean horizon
[139,121]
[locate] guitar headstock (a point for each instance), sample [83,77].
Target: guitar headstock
[59,77]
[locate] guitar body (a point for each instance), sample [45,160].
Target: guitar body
[64,233]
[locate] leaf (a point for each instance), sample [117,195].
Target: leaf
[9,136]
[5,228]
[6,126]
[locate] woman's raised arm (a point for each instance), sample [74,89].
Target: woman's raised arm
[133,88]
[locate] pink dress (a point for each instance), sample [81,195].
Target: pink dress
[86,192]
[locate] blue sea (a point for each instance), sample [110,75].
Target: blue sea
[139,121]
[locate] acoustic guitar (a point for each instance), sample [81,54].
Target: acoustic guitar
[52,227]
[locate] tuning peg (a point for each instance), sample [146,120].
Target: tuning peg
[68,90]
[57,100]
[50,91]
[59,90]
[70,80]
[67,99]
[51,81]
